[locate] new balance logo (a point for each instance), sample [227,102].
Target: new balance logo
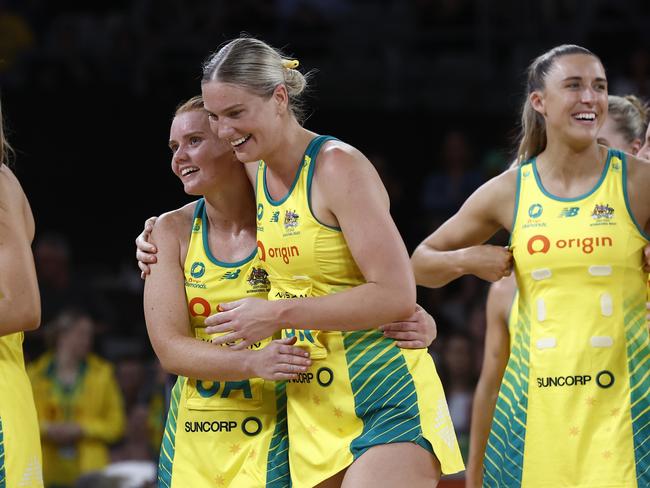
[569,211]
[231,275]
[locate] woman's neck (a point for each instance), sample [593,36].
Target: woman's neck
[231,206]
[568,171]
[288,152]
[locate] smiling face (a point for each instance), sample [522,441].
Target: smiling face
[573,100]
[251,124]
[199,158]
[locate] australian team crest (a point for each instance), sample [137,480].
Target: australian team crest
[258,277]
[290,220]
[602,212]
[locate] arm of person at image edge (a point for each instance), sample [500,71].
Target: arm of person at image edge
[20,305]
[416,332]
[456,248]
[638,182]
[168,323]
[344,183]
[495,358]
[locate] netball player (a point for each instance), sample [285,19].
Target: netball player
[573,408]
[370,413]
[624,128]
[227,419]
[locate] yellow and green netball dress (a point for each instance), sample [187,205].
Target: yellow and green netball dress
[361,390]
[20,445]
[574,409]
[223,433]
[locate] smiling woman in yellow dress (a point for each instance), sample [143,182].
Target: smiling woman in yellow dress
[366,413]
[227,422]
[573,410]
[624,129]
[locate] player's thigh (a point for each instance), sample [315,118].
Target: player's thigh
[334,481]
[394,465]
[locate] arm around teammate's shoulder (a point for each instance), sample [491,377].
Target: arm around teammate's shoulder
[20,304]
[455,248]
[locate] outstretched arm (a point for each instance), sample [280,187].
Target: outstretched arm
[455,249]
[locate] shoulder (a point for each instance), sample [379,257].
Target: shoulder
[344,176]
[339,154]
[505,183]
[252,170]
[495,199]
[175,223]
[340,164]
[637,168]
[500,189]
[638,181]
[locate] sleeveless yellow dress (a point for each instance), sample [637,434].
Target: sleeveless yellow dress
[223,433]
[361,390]
[574,409]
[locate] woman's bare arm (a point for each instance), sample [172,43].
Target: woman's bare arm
[20,304]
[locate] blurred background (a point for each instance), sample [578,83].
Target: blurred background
[429,90]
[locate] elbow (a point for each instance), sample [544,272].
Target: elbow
[33,319]
[405,303]
[423,276]
[169,364]
[422,279]
[21,320]
[416,261]
[30,313]
[164,354]
[172,362]
[404,311]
